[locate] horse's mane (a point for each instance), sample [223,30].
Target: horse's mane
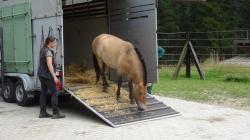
[143,65]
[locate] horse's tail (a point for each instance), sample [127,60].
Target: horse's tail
[143,65]
[97,68]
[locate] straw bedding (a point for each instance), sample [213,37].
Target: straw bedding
[92,93]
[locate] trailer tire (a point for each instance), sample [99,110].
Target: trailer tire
[8,91]
[21,95]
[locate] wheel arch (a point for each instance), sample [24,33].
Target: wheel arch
[28,82]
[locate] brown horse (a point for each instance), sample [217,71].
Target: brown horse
[111,51]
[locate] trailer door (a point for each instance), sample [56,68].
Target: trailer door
[1,57]
[136,22]
[17,38]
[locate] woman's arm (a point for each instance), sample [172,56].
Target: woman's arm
[51,68]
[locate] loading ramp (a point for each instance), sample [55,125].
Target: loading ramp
[122,114]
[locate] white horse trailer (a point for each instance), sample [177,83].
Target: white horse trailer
[24,24]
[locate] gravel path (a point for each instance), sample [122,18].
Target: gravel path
[197,121]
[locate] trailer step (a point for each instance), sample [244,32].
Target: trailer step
[123,114]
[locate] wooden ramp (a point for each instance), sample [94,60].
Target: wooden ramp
[116,114]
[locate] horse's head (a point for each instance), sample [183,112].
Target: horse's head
[140,94]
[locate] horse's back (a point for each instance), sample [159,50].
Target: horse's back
[106,40]
[110,49]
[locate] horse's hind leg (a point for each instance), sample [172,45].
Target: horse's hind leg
[118,93]
[97,67]
[104,80]
[130,85]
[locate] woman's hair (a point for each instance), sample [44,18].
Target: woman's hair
[47,41]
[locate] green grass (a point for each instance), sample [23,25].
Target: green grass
[224,84]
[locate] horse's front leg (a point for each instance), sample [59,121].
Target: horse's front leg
[119,83]
[130,86]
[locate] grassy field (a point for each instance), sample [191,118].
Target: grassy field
[227,85]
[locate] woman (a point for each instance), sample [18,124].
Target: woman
[47,77]
[161,53]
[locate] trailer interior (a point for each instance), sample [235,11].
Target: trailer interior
[83,21]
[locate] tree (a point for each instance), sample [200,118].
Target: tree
[166,17]
[210,15]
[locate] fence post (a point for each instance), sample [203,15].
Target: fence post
[182,57]
[188,68]
[247,34]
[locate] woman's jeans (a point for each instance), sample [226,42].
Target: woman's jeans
[47,84]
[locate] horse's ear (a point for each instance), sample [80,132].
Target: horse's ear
[146,88]
[141,86]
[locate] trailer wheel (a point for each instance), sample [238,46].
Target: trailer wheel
[8,91]
[20,94]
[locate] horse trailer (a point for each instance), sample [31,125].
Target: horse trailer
[26,23]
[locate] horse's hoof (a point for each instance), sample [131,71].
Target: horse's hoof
[141,109]
[105,90]
[119,100]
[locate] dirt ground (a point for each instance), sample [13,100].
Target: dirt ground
[197,121]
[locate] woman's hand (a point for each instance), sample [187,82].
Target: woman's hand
[56,80]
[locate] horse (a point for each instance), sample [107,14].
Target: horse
[113,52]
